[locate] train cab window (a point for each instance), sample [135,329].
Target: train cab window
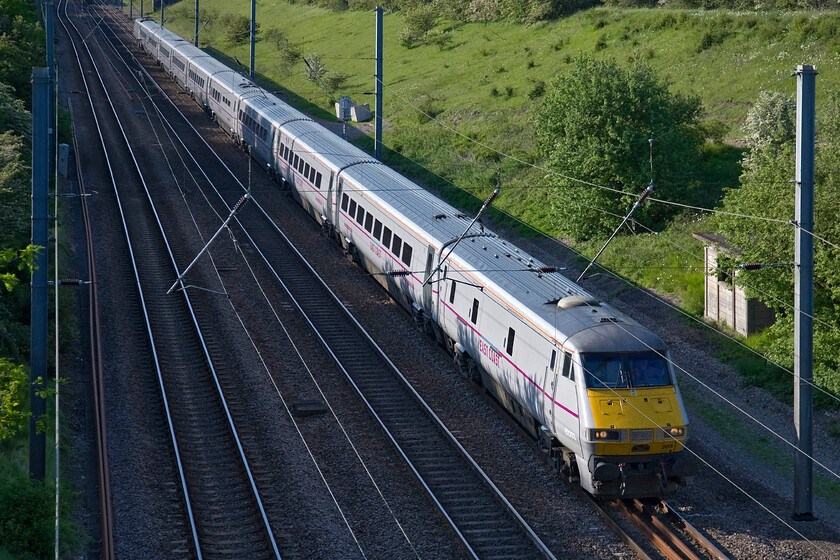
[352,208]
[360,215]
[510,338]
[452,292]
[344,201]
[369,222]
[396,245]
[474,312]
[377,229]
[406,254]
[553,360]
[317,180]
[568,371]
[386,237]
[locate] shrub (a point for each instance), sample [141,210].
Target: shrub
[537,90]
[315,69]
[601,43]
[440,38]
[238,30]
[335,80]
[26,517]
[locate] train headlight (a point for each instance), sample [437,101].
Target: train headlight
[671,432]
[604,435]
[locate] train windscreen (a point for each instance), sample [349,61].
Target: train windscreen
[625,371]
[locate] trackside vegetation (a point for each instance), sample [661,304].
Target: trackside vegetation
[521,94]
[27,508]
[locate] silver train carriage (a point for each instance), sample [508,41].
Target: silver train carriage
[594,387]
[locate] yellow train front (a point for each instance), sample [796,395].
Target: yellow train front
[632,423]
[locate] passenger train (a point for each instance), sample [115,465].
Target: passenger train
[594,387]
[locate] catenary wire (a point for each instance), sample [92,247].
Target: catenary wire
[329,489]
[297,351]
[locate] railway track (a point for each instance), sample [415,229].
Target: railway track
[226,516]
[669,532]
[477,511]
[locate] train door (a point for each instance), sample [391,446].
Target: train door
[427,286]
[565,405]
[547,383]
[332,207]
[340,205]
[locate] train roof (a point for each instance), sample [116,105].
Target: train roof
[556,305]
[583,322]
[334,152]
[270,106]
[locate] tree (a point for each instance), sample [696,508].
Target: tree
[766,191]
[594,125]
[335,80]
[238,30]
[315,69]
[13,393]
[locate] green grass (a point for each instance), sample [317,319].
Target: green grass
[761,445]
[486,85]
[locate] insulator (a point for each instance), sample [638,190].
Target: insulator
[752,266]
[547,269]
[71,282]
[399,272]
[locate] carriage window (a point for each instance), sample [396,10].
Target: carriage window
[386,237]
[286,153]
[567,366]
[318,180]
[360,215]
[312,174]
[510,338]
[377,229]
[344,200]
[396,245]
[474,313]
[369,222]
[305,170]
[282,150]
[406,254]
[452,292]
[295,161]
[553,360]
[352,208]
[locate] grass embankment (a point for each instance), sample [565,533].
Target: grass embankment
[488,83]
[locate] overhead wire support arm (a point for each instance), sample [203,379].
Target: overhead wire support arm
[638,203]
[236,208]
[484,206]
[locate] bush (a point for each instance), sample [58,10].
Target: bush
[595,124]
[26,517]
[335,80]
[238,30]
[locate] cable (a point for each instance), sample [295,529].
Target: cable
[568,177]
[303,361]
[631,284]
